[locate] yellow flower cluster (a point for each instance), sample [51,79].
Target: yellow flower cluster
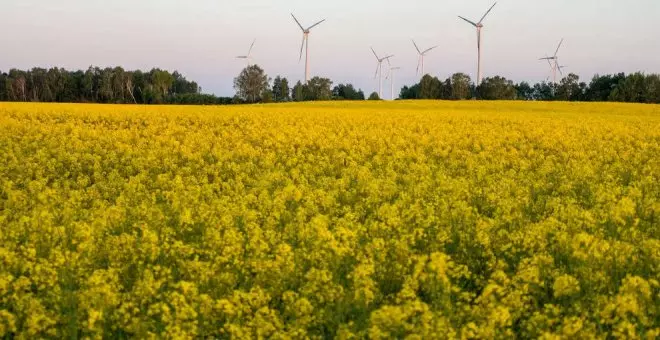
[416,220]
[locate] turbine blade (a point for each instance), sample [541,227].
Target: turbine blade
[419,61]
[471,23]
[372,50]
[560,72]
[429,49]
[301,47]
[484,17]
[316,24]
[251,46]
[377,66]
[389,56]
[559,46]
[241,57]
[418,51]
[298,22]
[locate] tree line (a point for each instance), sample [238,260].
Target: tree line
[103,85]
[634,88]
[252,85]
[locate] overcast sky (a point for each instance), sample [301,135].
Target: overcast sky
[201,38]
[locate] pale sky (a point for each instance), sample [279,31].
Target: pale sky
[200,38]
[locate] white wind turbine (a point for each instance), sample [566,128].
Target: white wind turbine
[248,56]
[479,25]
[379,71]
[422,54]
[554,64]
[305,44]
[390,76]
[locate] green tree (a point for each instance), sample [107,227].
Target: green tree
[374,96]
[524,91]
[409,92]
[347,92]
[298,92]
[601,87]
[161,83]
[281,89]
[461,86]
[496,88]
[569,88]
[430,87]
[636,88]
[319,89]
[251,84]
[544,91]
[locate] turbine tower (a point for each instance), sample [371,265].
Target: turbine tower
[390,76]
[379,71]
[422,54]
[554,62]
[248,56]
[479,25]
[305,44]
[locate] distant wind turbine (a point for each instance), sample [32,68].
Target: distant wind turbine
[554,64]
[560,68]
[479,25]
[379,71]
[422,54]
[248,56]
[305,44]
[390,76]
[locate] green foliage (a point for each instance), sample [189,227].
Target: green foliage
[524,91]
[374,96]
[317,89]
[601,87]
[108,85]
[496,88]
[461,86]
[569,88]
[252,84]
[637,88]
[281,91]
[347,92]
[430,87]
[410,92]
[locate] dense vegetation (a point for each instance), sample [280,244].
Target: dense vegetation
[115,85]
[632,88]
[97,85]
[425,219]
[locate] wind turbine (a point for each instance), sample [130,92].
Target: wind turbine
[248,56]
[379,71]
[422,54]
[560,68]
[305,44]
[554,64]
[479,25]
[390,76]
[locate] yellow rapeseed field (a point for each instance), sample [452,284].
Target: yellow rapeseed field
[417,220]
